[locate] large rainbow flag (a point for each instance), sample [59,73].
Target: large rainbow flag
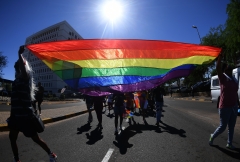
[99,67]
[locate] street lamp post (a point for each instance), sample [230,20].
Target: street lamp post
[198,33]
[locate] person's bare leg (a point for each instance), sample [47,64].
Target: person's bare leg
[116,121]
[39,106]
[13,135]
[98,111]
[143,114]
[41,143]
[121,120]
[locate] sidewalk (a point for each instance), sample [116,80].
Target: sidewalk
[48,115]
[53,115]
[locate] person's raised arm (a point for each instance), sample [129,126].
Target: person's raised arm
[219,64]
[22,63]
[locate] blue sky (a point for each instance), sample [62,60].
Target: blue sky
[169,20]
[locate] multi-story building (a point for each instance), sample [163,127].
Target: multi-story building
[60,31]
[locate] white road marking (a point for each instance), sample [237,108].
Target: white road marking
[108,155]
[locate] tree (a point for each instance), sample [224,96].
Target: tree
[226,37]
[216,38]
[198,74]
[214,72]
[170,82]
[3,63]
[233,30]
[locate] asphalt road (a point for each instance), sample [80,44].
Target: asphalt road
[183,136]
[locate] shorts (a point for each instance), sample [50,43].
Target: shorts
[119,110]
[22,124]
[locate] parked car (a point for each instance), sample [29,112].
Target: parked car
[202,86]
[175,89]
[184,89]
[3,93]
[79,95]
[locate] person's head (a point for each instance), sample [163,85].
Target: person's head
[28,69]
[39,83]
[227,69]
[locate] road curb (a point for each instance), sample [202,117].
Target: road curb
[195,99]
[44,102]
[5,103]
[4,127]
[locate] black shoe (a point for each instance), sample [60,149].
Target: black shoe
[157,124]
[130,123]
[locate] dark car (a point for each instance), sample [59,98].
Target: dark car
[3,93]
[184,89]
[202,86]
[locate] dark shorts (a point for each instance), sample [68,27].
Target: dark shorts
[22,124]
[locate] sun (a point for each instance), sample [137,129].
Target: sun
[112,10]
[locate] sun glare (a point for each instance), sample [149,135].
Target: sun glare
[112,10]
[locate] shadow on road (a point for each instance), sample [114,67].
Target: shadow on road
[173,130]
[84,128]
[110,115]
[233,153]
[121,141]
[94,136]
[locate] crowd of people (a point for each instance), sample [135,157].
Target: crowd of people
[125,105]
